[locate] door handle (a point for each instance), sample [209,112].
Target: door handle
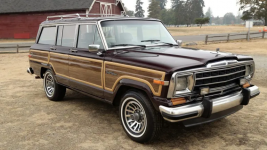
[73,50]
[52,48]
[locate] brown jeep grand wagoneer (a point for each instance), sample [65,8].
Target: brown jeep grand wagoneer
[136,64]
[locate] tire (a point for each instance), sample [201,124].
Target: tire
[141,122]
[53,91]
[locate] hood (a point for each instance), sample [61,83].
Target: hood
[170,59]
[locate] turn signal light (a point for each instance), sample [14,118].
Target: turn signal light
[178,101]
[158,82]
[246,85]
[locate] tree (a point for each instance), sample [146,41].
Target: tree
[167,16]
[162,3]
[229,18]
[139,12]
[209,14]
[202,21]
[238,18]
[179,11]
[154,9]
[186,11]
[247,15]
[218,20]
[256,9]
[130,13]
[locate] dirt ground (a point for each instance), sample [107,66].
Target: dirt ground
[28,120]
[175,31]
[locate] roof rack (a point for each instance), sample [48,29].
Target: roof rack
[79,16]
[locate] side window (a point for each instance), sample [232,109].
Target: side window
[88,34]
[68,36]
[98,40]
[48,36]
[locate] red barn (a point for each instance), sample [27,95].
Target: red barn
[20,19]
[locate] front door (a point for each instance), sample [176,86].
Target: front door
[86,67]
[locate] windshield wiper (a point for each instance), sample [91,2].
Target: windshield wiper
[158,41]
[150,41]
[127,45]
[169,44]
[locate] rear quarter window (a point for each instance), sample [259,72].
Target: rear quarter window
[48,36]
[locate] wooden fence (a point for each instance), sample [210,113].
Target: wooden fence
[238,36]
[17,48]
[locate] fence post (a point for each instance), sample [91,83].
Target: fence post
[263,34]
[248,36]
[206,40]
[228,38]
[17,48]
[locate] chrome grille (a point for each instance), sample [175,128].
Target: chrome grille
[220,77]
[220,80]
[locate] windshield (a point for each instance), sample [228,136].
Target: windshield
[139,33]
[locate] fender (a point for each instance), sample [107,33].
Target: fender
[37,67]
[156,101]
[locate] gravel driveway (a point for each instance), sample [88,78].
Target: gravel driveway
[28,120]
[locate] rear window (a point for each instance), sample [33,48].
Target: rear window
[48,36]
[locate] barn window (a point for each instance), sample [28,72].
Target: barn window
[105,9]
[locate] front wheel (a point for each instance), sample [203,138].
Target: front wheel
[53,91]
[138,117]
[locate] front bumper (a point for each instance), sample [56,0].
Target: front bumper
[209,108]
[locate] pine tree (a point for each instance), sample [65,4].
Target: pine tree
[139,12]
[186,11]
[209,14]
[154,9]
[162,3]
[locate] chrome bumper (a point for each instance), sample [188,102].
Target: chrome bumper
[177,114]
[30,71]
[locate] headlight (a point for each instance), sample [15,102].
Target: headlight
[184,84]
[250,70]
[181,84]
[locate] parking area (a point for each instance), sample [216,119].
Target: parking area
[28,120]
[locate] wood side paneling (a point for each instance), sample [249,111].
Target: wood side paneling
[60,63]
[86,70]
[39,56]
[114,72]
[105,75]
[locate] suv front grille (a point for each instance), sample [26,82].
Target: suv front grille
[221,76]
[220,80]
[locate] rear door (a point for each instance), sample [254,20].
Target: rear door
[59,54]
[86,67]
[39,52]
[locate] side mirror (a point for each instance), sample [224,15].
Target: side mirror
[179,42]
[93,48]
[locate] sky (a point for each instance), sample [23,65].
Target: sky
[218,7]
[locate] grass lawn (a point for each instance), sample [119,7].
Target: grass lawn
[175,31]
[257,46]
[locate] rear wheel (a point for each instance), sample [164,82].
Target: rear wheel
[138,117]
[53,91]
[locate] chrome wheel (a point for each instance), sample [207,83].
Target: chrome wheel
[49,84]
[133,117]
